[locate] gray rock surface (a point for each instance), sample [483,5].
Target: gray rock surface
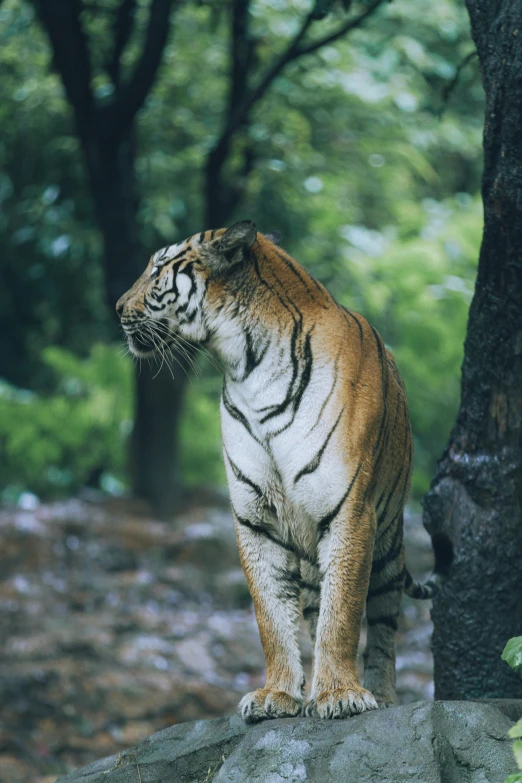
[425,742]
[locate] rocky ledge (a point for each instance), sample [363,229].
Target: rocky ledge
[425,742]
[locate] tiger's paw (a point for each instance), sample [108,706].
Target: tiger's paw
[266,703]
[340,703]
[384,705]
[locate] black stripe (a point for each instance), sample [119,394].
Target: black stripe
[391,430]
[201,237]
[316,461]
[378,648]
[306,373]
[390,621]
[276,410]
[188,270]
[297,317]
[394,551]
[294,267]
[420,592]
[252,359]
[310,586]
[241,476]
[395,583]
[212,234]
[236,413]
[308,611]
[154,308]
[325,522]
[174,287]
[271,289]
[349,312]
[303,383]
[395,517]
[382,515]
[289,265]
[265,532]
[296,314]
[190,316]
[402,500]
[171,260]
[288,582]
[384,383]
[400,505]
[325,403]
[159,297]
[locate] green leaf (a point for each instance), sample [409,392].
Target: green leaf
[515,778]
[517,751]
[512,654]
[515,731]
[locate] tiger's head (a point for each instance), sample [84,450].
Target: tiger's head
[184,289]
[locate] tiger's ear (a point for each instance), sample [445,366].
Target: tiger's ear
[233,246]
[237,241]
[275,237]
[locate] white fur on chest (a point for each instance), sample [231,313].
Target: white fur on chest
[272,462]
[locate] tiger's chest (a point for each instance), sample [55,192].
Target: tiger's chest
[261,492]
[279,470]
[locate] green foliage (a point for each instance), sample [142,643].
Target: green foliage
[77,434]
[200,449]
[515,731]
[512,654]
[58,441]
[517,752]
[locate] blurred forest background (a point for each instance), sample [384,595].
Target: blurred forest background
[365,152]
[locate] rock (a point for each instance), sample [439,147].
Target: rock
[425,742]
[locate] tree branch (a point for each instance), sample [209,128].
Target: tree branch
[71,57]
[131,96]
[241,54]
[286,57]
[350,25]
[448,89]
[294,51]
[240,112]
[123,24]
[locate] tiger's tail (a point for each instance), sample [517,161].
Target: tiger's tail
[420,591]
[443,550]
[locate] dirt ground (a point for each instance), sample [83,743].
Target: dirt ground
[114,625]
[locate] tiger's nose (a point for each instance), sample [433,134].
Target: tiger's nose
[119,307]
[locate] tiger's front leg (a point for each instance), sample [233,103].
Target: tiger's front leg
[345,554]
[272,573]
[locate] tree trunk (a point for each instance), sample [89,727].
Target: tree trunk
[154,469]
[474,505]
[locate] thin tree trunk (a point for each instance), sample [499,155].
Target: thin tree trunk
[154,469]
[474,506]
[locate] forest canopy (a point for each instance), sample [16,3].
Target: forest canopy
[365,155]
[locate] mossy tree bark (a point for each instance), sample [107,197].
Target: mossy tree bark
[474,505]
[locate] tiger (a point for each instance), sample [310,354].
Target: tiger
[318,452]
